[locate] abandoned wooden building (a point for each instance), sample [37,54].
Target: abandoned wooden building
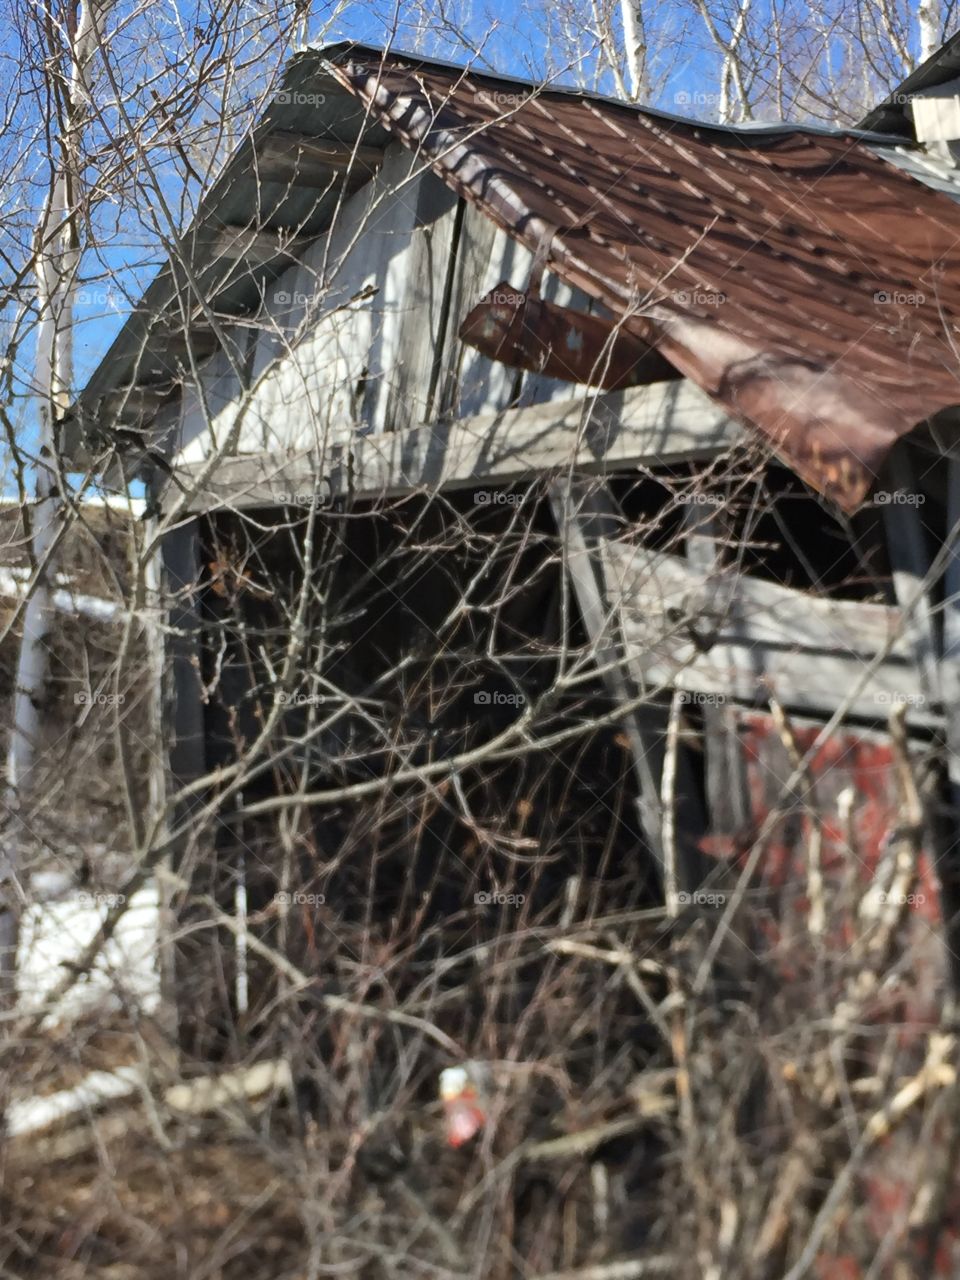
[711,374]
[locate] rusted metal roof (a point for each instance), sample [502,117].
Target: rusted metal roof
[801,280]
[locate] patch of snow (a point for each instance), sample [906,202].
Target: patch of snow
[13,582]
[30,1114]
[55,933]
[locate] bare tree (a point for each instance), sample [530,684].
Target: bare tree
[411,838]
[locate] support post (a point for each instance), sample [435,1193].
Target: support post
[587,515]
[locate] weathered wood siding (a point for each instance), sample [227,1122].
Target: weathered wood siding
[361,332]
[727,636]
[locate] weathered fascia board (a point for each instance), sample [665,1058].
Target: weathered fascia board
[744,639]
[600,434]
[295,157]
[255,247]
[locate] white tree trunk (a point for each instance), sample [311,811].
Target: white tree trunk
[929,22]
[57,258]
[33,660]
[635,44]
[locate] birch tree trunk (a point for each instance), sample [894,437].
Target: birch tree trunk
[56,261]
[929,22]
[635,45]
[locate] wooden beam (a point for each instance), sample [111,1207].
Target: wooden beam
[588,519]
[645,426]
[202,957]
[945,824]
[255,247]
[730,636]
[135,404]
[312,162]
[168,355]
[950,666]
[181,585]
[910,560]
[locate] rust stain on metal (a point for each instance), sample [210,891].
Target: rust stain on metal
[802,281]
[528,332]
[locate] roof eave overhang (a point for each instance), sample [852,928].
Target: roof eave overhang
[313,145]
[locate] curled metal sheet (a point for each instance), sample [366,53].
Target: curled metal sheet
[528,332]
[803,282]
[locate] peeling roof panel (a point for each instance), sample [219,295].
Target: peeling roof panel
[799,278]
[928,168]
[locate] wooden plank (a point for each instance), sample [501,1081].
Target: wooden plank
[472,382]
[588,519]
[185,719]
[910,560]
[421,318]
[724,635]
[295,157]
[950,665]
[157,640]
[537,387]
[728,800]
[661,424]
[186,761]
[255,247]
[329,325]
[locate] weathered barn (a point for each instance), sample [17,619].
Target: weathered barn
[712,370]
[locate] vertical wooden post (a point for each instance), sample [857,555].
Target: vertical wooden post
[586,515]
[949,860]
[158,782]
[910,560]
[950,666]
[937,660]
[202,954]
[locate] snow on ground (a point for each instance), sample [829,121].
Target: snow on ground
[26,1115]
[56,931]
